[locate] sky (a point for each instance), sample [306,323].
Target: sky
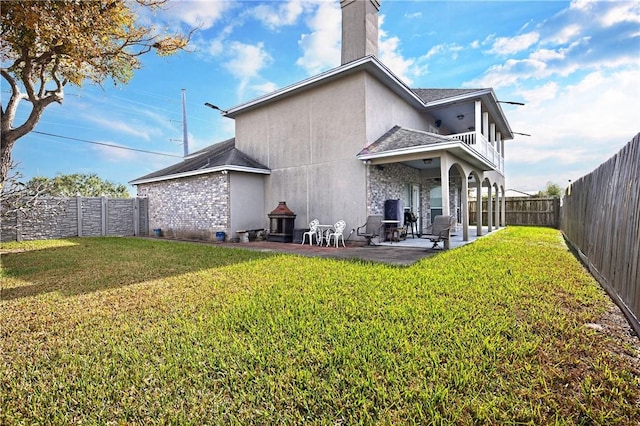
[575,65]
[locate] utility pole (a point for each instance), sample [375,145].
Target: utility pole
[185,134]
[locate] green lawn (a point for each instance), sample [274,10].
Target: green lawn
[133,331]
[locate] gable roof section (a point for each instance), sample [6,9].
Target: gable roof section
[399,139]
[407,143]
[421,99]
[222,156]
[370,64]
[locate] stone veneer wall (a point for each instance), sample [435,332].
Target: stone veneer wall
[390,181]
[77,216]
[191,208]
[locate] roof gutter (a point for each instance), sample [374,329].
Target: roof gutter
[217,169]
[442,146]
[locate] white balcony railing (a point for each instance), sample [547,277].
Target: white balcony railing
[479,143]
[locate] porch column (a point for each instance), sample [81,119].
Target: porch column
[478,118]
[485,125]
[492,135]
[465,208]
[496,221]
[444,184]
[503,212]
[492,142]
[489,209]
[479,209]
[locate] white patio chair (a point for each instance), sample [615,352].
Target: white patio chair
[313,230]
[338,229]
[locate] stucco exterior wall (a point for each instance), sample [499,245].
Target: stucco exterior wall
[385,109]
[191,208]
[246,202]
[310,141]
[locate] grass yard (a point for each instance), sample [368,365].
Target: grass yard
[134,331]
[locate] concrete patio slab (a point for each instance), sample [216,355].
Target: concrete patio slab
[403,253]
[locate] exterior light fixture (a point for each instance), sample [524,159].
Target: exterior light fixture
[427,161]
[460,116]
[215,107]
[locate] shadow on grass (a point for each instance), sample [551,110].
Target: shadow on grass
[93,264]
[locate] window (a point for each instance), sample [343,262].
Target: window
[435,196]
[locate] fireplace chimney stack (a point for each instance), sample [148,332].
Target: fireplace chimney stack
[359,29]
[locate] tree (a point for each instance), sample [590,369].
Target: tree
[47,44]
[87,185]
[552,190]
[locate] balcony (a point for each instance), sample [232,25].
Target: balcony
[479,143]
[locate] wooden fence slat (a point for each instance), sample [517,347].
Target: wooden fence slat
[601,219]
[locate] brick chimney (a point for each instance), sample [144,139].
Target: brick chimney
[359,29]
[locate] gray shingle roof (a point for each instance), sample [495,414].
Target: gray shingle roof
[214,156]
[400,138]
[431,95]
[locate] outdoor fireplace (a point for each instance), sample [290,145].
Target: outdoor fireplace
[281,224]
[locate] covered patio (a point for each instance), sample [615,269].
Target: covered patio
[455,241]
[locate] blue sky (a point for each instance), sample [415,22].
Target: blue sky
[576,65]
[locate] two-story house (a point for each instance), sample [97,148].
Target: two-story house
[337,146]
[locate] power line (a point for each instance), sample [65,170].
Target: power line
[107,144]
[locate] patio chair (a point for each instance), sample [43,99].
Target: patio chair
[371,228]
[336,234]
[313,230]
[440,231]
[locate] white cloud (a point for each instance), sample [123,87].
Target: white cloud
[321,47]
[201,14]
[278,14]
[246,62]
[621,12]
[511,45]
[584,5]
[246,59]
[545,55]
[510,73]
[576,127]
[267,87]
[390,55]
[537,95]
[441,49]
[564,34]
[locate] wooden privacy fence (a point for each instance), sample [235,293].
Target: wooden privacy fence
[78,217]
[532,211]
[601,219]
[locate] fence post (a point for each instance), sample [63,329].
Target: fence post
[104,215]
[79,213]
[18,225]
[136,217]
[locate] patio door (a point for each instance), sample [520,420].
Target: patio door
[412,201]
